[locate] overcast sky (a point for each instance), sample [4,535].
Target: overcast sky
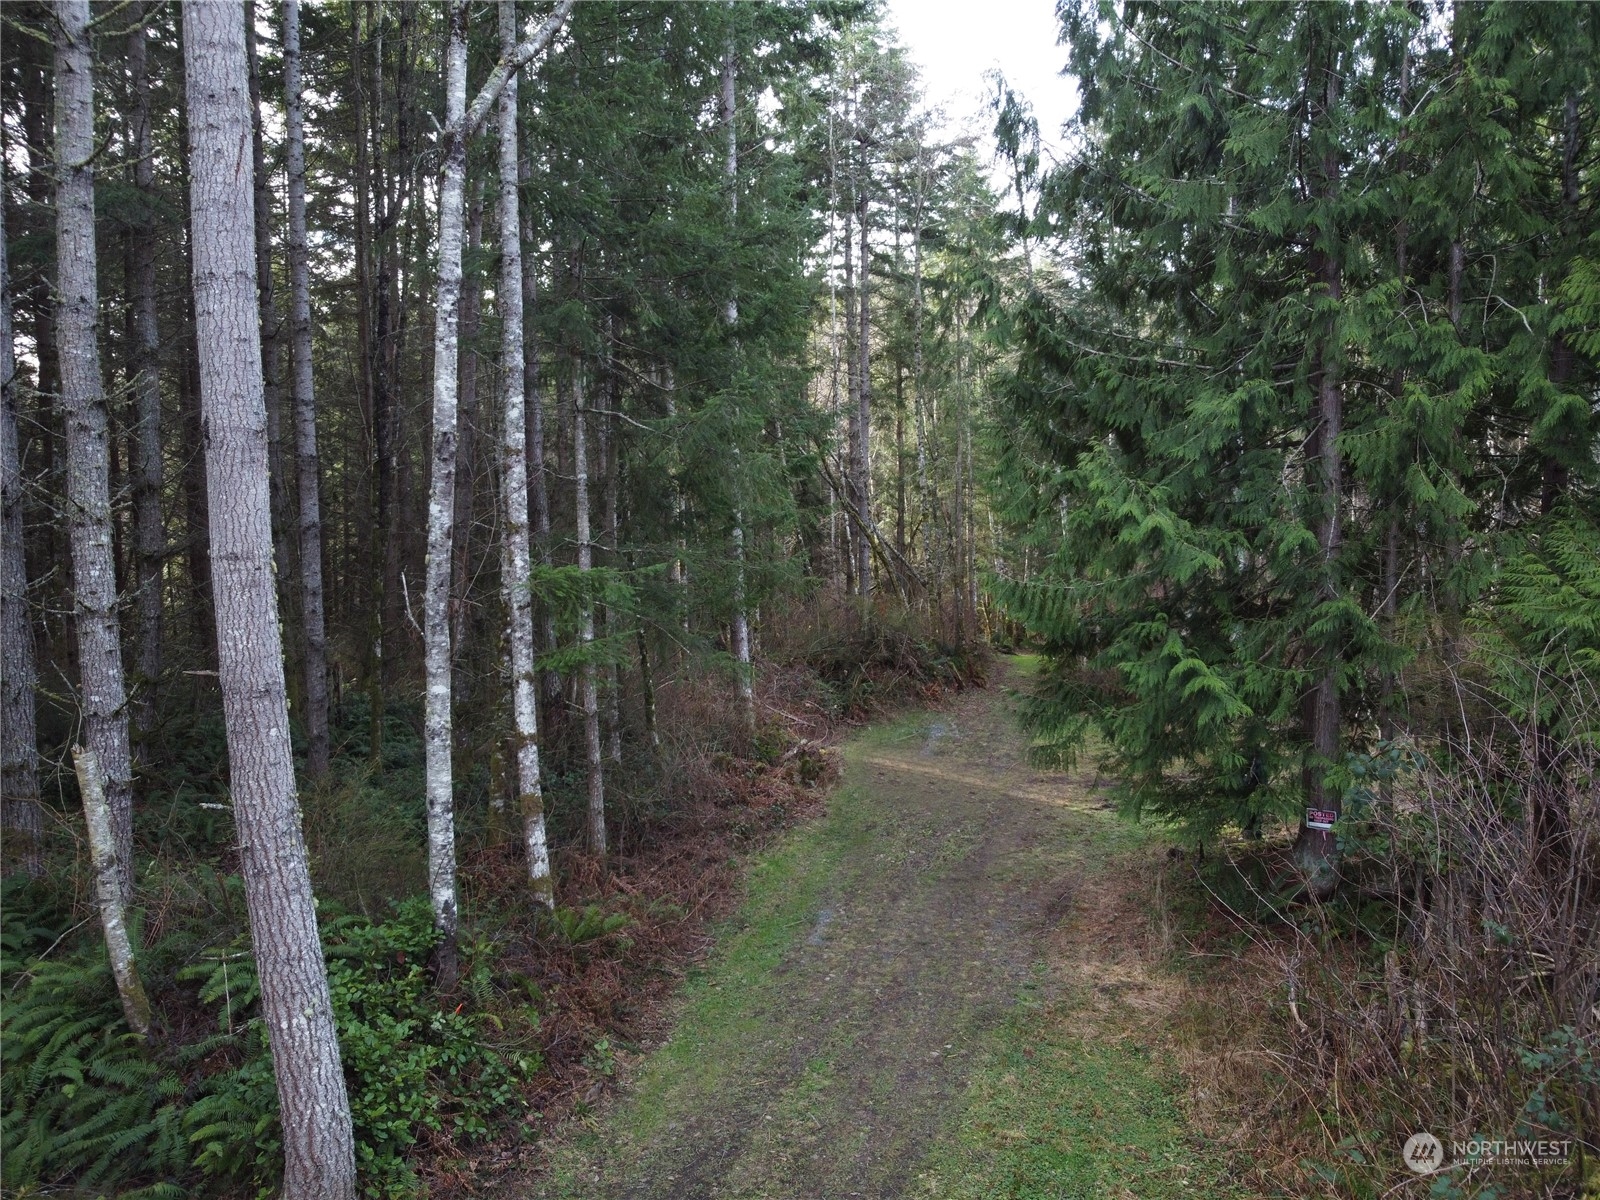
[956,41]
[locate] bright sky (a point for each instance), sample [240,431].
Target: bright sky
[956,41]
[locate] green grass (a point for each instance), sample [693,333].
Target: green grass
[725,1000]
[887,1047]
[1051,1115]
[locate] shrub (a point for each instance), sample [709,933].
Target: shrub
[94,1106]
[412,1067]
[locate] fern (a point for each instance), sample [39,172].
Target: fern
[1540,630]
[95,1106]
[585,925]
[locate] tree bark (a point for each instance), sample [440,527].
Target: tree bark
[864,393]
[108,892]
[538,483]
[516,563]
[610,460]
[1316,850]
[313,618]
[741,613]
[441,508]
[852,365]
[466,443]
[372,531]
[318,1142]
[272,330]
[460,122]
[197,537]
[591,706]
[925,489]
[151,536]
[20,814]
[94,575]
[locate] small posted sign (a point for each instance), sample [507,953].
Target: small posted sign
[1321,818]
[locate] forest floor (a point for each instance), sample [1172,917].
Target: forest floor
[950,984]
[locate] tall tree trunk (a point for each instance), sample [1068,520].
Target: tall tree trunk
[647,682]
[864,394]
[20,815]
[1389,570]
[441,507]
[391,172]
[835,348]
[591,706]
[151,536]
[319,1147]
[197,538]
[678,571]
[372,521]
[37,131]
[460,122]
[741,614]
[958,557]
[852,364]
[94,574]
[197,533]
[538,481]
[925,490]
[610,460]
[308,472]
[272,330]
[516,563]
[1316,850]
[900,460]
[466,443]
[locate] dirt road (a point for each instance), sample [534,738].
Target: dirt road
[886,1017]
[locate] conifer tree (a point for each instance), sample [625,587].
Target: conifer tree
[83,399]
[314,1107]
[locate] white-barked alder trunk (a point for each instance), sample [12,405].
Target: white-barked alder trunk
[108,892]
[461,121]
[516,560]
[437,656]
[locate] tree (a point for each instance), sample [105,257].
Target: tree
[461,122]
[517,563]
[741,614]
[319,1148]
[308,474]
[1186,402]
[148,473]
[1304,393]
[588,693]
[83,402]
[23,819]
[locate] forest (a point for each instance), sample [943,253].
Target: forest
[605,598]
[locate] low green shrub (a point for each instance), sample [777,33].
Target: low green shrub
[97,1107]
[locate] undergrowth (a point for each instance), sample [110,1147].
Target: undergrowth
[442,1086]
[1449,987]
